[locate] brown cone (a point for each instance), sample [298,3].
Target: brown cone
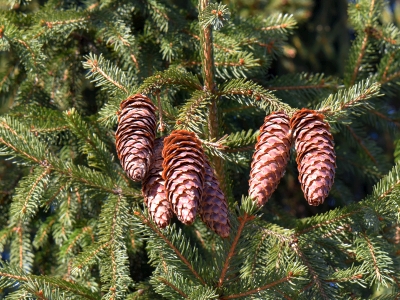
[153,189]
[270,157]
[135,135]
[183,173]
[316,159]
[213,208]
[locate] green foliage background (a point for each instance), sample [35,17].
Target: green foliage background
[74,227]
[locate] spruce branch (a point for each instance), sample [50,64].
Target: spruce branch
[166,282]
[214,15]
[75,239]
[10,275]
[382,264]
[98,155]
[251,94]
[261,288]
[348,102]
[28,194]
[192,115]
[367,13]
[181,256]
[15,137]
[43,232]
[104,74]
[88,257]
[176,77]
[316,279]
[232,250]
[281,23]
[362,50]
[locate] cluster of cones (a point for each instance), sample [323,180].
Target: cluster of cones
[177,176]
[316,159]
[175,173]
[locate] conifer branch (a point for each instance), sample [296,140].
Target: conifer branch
[363,47]
[390,60]
[261,288]
[94,254]
[19,232]
[360,58]
[232,251]
[386,118]
[321,85]
[6,76]
[389,190]
[166,282]
[345,227]
[314,274]
[84,231]
[51,24]
[44,234]
[390,78]
[280,26]
[54,196]
[168,242]
[353,277]
[93,63]
[361,143]
[372,252]
[328,222]
[96,69]
[45,172]
[25,45]
[13,276]
[113,235]
[216,45]
[379,35]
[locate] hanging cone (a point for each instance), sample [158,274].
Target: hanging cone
[153,189]
[213,208]
[270,157]
[135,135]
[316,159]
[183,173]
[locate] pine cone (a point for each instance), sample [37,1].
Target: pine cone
[213,208]
[316,159]
[183,173]
[135,135]
[270,157]
[153,189]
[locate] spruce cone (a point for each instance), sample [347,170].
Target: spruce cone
[153,189]
[135,135]
[183,173]
[316,159]
[270,157]
[213,207]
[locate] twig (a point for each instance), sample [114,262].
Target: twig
[178,253]
[371,250]
[166,282]
[359,141]
[315,279]
[242,222]
[259,289]
[363,47]
[95,68]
